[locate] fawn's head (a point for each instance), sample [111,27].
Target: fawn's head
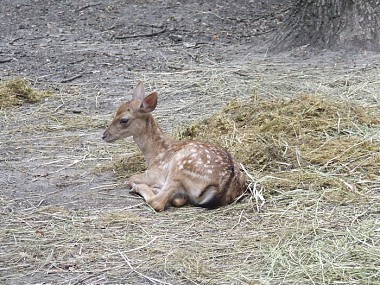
[130,118]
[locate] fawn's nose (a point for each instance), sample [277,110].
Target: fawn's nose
[108,137]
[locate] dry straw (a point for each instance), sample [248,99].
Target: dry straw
[308,157]
[313,158]
[18,91]
[305,142]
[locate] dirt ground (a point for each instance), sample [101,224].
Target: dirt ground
[78,47]
[91,54]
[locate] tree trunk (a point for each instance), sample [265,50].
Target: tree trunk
[331,24]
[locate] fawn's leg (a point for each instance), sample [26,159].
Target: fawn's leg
[155,195]
[143,178]
[158,198]
[161,199]
[144,190]
[137,179]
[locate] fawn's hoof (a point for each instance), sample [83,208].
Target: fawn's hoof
[134,188]
[157,206]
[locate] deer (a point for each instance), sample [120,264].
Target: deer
[178,172]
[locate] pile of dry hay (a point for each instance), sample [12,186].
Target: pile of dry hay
[305,142]
[301,237]
[18,91]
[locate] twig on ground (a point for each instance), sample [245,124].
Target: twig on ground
[6,60]
[71,78]
[163,30]
[88,6]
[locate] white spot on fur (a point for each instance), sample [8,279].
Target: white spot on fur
[194,174]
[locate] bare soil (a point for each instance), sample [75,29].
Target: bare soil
[96,50]
[199,55]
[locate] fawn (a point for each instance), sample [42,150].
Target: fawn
[179,172]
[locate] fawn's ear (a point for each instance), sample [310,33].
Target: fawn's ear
[149,103]
[139,92]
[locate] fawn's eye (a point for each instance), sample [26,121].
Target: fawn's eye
[123,121]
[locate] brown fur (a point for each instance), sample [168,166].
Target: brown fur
[178,172]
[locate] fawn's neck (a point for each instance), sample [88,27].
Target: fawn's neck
[153,140]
